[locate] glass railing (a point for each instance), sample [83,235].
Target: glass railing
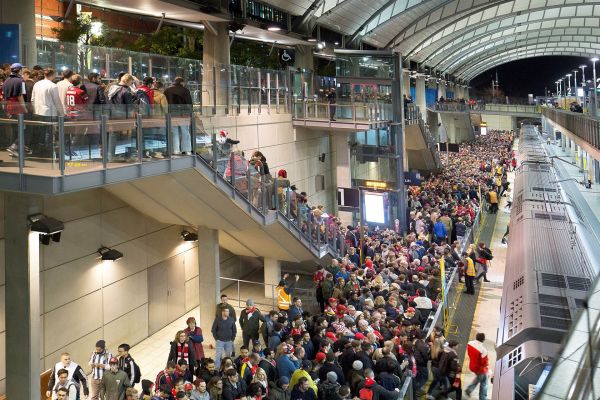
[245,177]
[512,108]
[56,141]
[315,109]
[447,300]
[215,89]
[582,126]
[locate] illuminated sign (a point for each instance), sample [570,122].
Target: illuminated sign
[376,184]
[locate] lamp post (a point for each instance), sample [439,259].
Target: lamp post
[594,86]
[583,67]
[575,83]
[556,88]
[568,76]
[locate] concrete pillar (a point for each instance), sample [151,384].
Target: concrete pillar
[304,58]
[216,61]
[210,274]
[406,83]
[420,96]
[22,13]
[441,90]
[22,297]
[272,269]
[343,172]
[466,93]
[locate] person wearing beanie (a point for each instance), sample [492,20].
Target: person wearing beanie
[356,377]
[99,363]
[279,390]
[304,372]
[331,365]
[250,321]
[114,382]
[328,389]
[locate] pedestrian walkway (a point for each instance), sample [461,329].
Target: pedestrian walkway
[489,295]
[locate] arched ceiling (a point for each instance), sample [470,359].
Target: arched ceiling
[462,37]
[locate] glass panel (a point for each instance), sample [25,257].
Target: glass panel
[41,135]
[122,135]
[83,138]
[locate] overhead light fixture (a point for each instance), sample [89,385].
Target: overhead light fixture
[47,227]
[108,254]
[189,236]
[273,28]
[594,59]
[320,46]
[312,40]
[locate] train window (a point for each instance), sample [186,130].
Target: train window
[555,312]
[555,323]
[515,356]
[578,283]
[553,280]
[554,300]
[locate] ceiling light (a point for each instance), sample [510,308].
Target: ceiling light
[189,236]
[594,59]
[312,40]
[48,228]
[108,254]
[320,46]
[273,28]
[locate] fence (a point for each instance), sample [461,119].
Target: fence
[582,126]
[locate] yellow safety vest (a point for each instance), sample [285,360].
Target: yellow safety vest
[470,267]
[493,197]
[283,298]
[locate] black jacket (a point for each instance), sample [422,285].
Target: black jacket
[332,367]
[309,394]
[224,329]
[230,392]
[251,326]
[191,355]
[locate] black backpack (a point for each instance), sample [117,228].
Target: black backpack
[137,372]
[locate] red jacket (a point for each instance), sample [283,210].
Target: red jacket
[478,357]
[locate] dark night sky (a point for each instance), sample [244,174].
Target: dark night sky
[533,75]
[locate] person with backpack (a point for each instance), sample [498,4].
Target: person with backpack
[63,382]
[180,104]
[484,256]
[478,364]
[450,368]
[128,365]
[371,390]
[328,389]
[94,89]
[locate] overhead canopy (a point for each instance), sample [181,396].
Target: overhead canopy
[462,37]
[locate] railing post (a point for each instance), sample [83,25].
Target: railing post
[214,155]
[140,137]
[168,126]
[288,200]
[275,193]
[232,169]
[193,133]
[277,93]
[259,92]
[269,92]
[214,90]
[250,196]
[263,196]
[21,145]
[61,144]
[105,139]
[305,109]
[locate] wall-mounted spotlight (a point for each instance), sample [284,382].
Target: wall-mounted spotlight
[48,228]
[322,157]
[108,254]
[189,236]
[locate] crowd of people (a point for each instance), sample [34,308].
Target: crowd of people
[43,94]
[371,330]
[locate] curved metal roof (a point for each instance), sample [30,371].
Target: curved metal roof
[461,37]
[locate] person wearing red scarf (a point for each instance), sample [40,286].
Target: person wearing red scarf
[182,348]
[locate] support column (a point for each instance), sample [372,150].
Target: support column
[22,297]
[343,172]
[467,96]
[304,58]
[441,90]
[209,278]
[272,271]
[406,83]
[215,57]
[22,13]
[397,133]
[421,97]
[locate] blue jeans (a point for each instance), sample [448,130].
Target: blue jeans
[224,349]
[182,140]
[482,381]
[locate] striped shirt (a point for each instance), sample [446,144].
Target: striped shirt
[102,358]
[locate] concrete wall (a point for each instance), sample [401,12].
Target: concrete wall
[296,150]
[84,299]
[504,122]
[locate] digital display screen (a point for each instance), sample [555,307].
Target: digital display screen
[9,36]
[374,208]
